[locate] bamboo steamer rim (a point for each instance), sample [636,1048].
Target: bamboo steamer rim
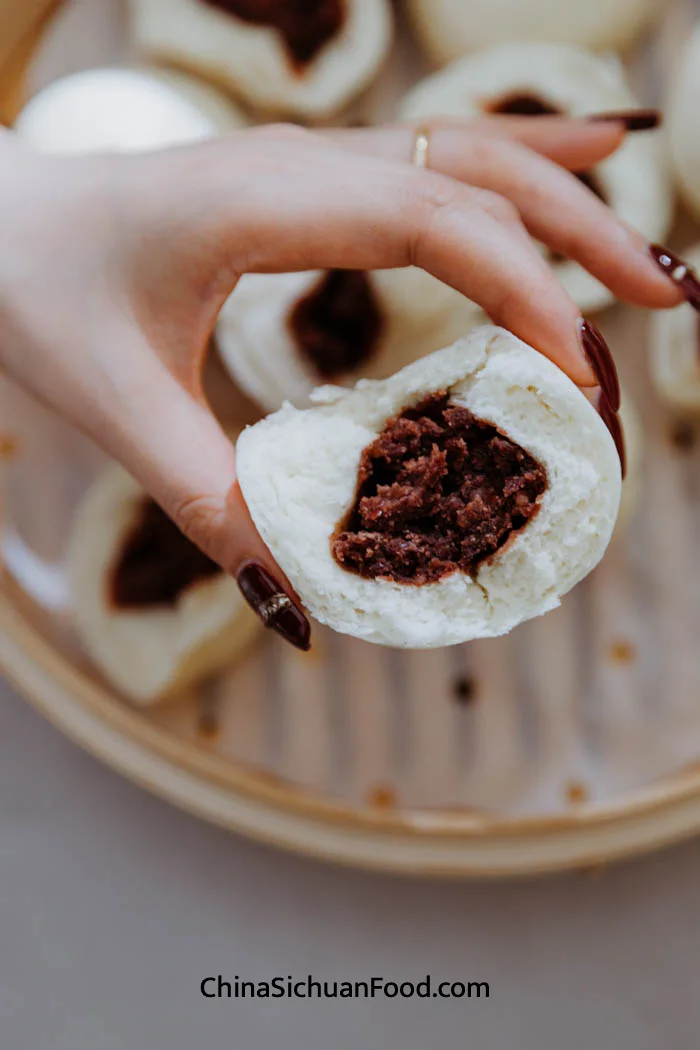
[444,843]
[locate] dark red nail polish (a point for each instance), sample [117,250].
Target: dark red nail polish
[612,422]
[601,361]
[632,119]
[679,272]
[275,608]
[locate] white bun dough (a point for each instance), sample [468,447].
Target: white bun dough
[298,473]
[252,60]
[449,29]
[634,180]
[124,110]
[683,122]
[419,315]
[151,652]
[675,351]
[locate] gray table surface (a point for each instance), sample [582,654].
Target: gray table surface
[114,906]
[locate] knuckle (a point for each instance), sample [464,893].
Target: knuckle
[199,518]
[483,154]
[433,203]
[436,194]
[499,207]
[438,204]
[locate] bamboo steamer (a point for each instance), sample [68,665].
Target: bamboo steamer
[580,745]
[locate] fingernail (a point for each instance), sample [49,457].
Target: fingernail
[276,609]
[682,275]
[632,119]
[612,422]
[601,361]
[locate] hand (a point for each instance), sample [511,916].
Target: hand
[114,268]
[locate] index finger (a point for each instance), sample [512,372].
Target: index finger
[298,203]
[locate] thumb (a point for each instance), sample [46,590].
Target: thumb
[172,444]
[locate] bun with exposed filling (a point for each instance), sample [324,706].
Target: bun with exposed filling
[460,497]
[281,335]
[303,57]
[153,612]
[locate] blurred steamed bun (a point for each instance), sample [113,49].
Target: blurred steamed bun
[451,28]
[683,121]
[125,110]
[280,335]
[303,57]
[524,79]
[154,614]
[675,351]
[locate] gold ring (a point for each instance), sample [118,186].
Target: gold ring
[421,148]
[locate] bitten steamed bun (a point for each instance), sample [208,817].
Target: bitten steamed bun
[304,57]
[124,110]
[453,501]
[153,612]
[532,79]
[450,28]
[281,335]
[675,351]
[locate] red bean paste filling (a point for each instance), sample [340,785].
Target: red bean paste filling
[306,26]
[337,326]
[157,564]
[527,104]
[439,491]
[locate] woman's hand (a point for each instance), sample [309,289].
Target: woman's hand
[113,270]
